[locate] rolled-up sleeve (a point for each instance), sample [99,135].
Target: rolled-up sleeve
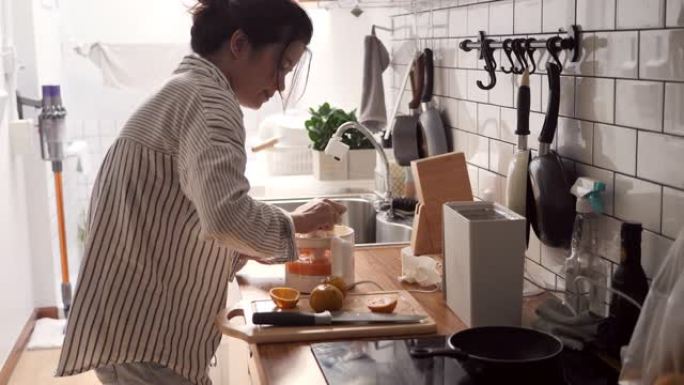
[211,161]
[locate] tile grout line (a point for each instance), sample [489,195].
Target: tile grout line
[616,172]
[638,59]
[638,129]
[662,207]
[662,123]
[614,102]
[498,71]
[605,31]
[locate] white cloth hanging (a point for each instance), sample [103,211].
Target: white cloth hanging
[134,66]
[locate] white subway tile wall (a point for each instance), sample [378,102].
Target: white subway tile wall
[575,139]
[614,148]
[595,99]
[639,104]
[660,54]
[661,158]
[622,110]
[673,211]
[499,12]
[616,54]
[637,200]
[674,111]
[596,14]
[675,13]
[640,14]
[488,120]
[528,16]
[557,14]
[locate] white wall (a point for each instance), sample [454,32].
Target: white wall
[36,38]
[337,46]
[16,292]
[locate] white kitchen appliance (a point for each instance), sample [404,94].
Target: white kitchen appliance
[321,254]
[484,256]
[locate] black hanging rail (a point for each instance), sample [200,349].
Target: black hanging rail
[523,49]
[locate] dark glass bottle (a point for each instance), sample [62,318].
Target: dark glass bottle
[629,278]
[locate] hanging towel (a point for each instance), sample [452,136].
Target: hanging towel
[373,113]
[134,66]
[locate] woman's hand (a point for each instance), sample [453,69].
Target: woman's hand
[318,214]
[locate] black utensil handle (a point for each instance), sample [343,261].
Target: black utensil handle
[284,318]
[523,125]
[435,352]
[551,120]
[429,75]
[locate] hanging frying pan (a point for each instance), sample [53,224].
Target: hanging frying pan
[504,355]
[553,210]
[407,138]
[435,133]
[517,180]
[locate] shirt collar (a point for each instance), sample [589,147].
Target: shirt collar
[202,66]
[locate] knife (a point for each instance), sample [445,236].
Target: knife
[293,318]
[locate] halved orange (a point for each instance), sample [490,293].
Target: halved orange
[284,297]
[384,304]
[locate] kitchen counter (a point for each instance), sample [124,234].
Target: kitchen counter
[293,363]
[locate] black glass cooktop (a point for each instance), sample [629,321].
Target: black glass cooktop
[388,362]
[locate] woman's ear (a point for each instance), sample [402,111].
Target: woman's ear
[239,45]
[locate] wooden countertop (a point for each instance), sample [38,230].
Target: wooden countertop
[293,363]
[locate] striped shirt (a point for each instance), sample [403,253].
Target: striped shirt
[170,222]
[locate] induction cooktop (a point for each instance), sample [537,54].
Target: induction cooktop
[388,362]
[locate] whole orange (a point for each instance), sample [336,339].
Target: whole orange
[338,282]
[326,297]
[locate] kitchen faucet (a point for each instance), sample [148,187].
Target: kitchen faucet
[338,150]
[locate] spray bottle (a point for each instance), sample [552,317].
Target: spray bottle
[583,261]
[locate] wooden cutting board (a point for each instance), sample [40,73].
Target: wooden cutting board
[439,179]
[230,325]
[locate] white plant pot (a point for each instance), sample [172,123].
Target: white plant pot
[327,168]
[361,164]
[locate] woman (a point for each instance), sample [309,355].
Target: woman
[170,219]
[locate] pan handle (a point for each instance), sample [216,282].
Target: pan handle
[429,75]
[551,121]
[436,352]
[417,79]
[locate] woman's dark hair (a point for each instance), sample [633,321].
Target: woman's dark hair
[263,21]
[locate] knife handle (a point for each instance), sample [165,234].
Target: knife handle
[523,123]
[289,318]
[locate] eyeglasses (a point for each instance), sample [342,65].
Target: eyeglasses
[295,81]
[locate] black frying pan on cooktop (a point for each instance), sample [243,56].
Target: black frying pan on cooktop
[497,354]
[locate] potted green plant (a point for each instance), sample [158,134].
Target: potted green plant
[321,126]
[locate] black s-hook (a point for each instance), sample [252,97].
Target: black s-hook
[530,52]
[519,52]
[553,45]
[487,53]
[507,47]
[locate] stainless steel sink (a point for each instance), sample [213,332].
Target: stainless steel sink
[370,226]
